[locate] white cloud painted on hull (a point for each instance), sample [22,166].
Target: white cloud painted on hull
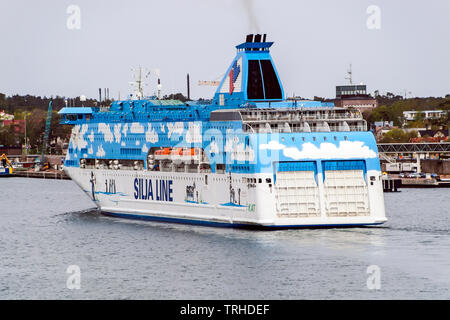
[175,127]
[117,134]
[326,150]
[91,136]
[77,136]
[125,129]
[238,151]
[100,152]
[194,134]
[151,135]
[213,147]
[106,130]
[137,128]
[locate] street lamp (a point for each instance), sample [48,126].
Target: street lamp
[26,142]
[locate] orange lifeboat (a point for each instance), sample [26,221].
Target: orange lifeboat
[191,155]
[162,154]
[190,152]
[176,152]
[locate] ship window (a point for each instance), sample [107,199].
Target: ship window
[272,87]
[254,86]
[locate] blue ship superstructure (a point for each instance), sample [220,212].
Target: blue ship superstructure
[311,158]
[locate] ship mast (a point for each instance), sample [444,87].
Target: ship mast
[138,82]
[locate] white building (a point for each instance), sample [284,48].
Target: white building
[427,114]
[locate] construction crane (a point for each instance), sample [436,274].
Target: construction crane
[212,83]
[4,160]
[208,83]
[47,131]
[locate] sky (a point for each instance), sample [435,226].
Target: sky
[47,49]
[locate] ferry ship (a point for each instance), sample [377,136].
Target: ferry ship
[249,158]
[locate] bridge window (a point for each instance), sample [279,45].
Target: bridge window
[271,85]
[254,86]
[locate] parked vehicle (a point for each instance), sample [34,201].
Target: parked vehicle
[414,175]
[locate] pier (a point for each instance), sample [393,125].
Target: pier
[59,175]
[391,185]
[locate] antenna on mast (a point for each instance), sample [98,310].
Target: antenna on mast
[349,75]
[140,76]
[137,83]
[159,86]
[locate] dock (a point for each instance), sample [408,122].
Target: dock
[424,183]
[391,185]
[59,175]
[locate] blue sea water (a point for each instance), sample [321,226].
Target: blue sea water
[48,225]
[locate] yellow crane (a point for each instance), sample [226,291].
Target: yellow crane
[4,159]
[212,83]
[208,83]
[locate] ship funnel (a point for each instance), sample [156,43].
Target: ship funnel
[252,76]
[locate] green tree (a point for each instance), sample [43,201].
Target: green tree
[398,136]
[10,136]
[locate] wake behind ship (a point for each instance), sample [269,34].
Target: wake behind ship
[248,159]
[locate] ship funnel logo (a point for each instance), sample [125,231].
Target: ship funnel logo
[232,82]
[234,73]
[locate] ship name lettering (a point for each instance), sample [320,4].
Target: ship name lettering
[158,190]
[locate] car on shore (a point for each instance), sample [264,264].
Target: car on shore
[415,175]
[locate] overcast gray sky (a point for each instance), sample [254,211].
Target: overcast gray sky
[315,41]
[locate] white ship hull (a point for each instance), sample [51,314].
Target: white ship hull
[245,201]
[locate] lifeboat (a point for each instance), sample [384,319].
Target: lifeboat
[176,155]
[162,154]
[191,155]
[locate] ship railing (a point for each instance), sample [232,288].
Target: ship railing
[111,164]
[299,117]
[304,126]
